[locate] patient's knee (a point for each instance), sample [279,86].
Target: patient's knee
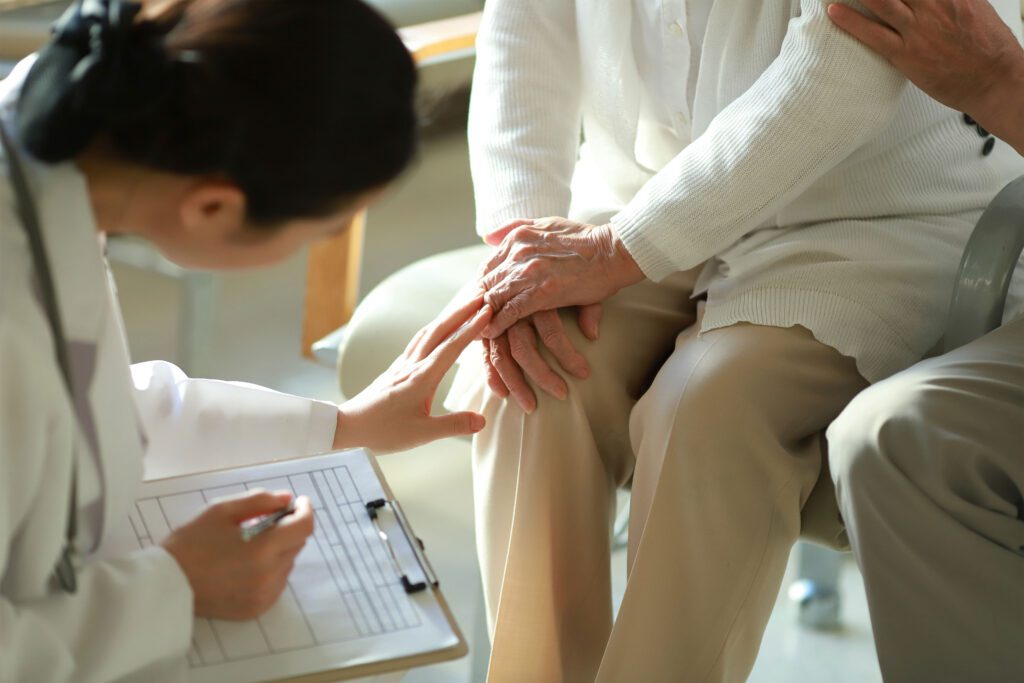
[883,433]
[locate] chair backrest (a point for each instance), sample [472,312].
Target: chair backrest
[986,269]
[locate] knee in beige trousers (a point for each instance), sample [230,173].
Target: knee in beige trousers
[721,435]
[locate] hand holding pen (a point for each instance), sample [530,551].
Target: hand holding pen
[238,553]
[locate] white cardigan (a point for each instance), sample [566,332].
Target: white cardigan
[821,189]
[132,615]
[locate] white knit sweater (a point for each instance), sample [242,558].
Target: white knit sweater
[820,187]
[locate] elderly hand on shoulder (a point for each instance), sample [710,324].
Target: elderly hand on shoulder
[958,51]
[541,266]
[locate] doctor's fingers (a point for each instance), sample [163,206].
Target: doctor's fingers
[879,37]
[456,313]
[464,423]
[253,503]
[291,532]
[442,358]
[511,375]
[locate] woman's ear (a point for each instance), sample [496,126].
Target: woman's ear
[213,211]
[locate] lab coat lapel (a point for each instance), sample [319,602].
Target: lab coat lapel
[102,394]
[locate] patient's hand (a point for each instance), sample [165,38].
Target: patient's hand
[393,413]
[515,355]
[552,263]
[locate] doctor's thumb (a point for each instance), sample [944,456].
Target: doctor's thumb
[458,424]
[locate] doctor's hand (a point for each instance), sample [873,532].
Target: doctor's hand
[514,356]
[551,263]
[232,578]
[393,413]
[958,51]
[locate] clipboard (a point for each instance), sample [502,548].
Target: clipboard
[362,600]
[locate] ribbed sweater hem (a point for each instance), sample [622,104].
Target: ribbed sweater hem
[877,348]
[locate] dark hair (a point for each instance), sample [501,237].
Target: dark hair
[302,103]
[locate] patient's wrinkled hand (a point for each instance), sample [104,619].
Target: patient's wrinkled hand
[514,356]
[393,413]
[552,263]
[958,51]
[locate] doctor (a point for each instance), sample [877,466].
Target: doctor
[227,133]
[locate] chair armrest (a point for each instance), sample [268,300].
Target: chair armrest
[989,260]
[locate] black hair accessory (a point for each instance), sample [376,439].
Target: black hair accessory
[98,70]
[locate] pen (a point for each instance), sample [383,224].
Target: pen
[254,527]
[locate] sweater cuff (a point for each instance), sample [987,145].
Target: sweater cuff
[323,422]
[655,263]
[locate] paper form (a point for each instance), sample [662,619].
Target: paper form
[344,604]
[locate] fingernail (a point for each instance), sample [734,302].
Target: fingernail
[582,372]
[477,422]
[526,406]
[561,393]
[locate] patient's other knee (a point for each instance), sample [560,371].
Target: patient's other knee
[884,433]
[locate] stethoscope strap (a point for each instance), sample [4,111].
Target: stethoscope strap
[65,569]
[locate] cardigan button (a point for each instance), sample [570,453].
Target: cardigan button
[968,120]
[982,132]
[676,29]
[989,146]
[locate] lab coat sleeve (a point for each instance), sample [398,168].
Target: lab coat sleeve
[822,98]
[525,111]
[200,424]
[127,614]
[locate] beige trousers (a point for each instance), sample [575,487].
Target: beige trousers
[929,465]
[721,434]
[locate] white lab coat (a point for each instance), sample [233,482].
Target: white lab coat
[132,615]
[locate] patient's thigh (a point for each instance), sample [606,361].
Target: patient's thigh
[637,333]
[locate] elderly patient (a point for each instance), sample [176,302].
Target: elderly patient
[770,218]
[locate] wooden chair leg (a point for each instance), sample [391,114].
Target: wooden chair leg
[332,283]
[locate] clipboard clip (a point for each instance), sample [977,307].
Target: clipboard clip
[429,578]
